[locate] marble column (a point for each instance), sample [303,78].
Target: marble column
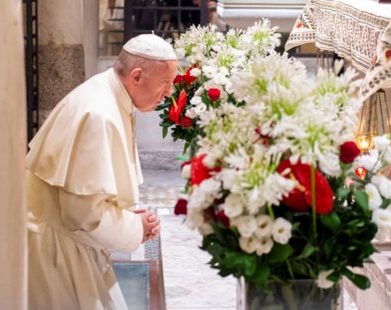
[13,246]
[68,48]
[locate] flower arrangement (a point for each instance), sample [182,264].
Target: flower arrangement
[274,187]
[212,58]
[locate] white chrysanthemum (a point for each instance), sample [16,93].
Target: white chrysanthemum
[246,225]
[282,230]
[384,185]
[322,280]
[264,246]
[382,218]
[233,205]
[374,198]
[265,225]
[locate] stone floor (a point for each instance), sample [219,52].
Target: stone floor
[189,282]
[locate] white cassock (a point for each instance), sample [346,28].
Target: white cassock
[83,174]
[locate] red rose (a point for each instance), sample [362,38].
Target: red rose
[214,94]
[300,198]
[178,79]
[186,122]
[223,218]
[180,207]
[198,171]
[388,54]
[348,152]
[176,108]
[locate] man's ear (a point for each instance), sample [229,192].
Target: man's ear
[135,75]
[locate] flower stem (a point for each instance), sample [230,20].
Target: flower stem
[313,203]
[270,210]
[290,269]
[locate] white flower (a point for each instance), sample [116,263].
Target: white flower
[194,218]
[322,280]
[205,229]
[209,71]
[200,108]
[382,218]
[186,171]
[246,225]
[265,224]
[381,143]
[180,52]
[195,72]
[282,230]
[387,155]
[329,164]
[228,177]
[384,185]
[210,160]
[264,245]
[233,205]
[369,162]
[249,245]
[191,113]
[374,198]
[196,100]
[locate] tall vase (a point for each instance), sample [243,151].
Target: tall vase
[294,295]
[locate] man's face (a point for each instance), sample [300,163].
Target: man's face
[153,86]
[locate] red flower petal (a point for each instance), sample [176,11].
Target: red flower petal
[198,171]
[388,54]
[214,94]
[223,218]
[176,108]
[186,122]
[348,152]
[180,207]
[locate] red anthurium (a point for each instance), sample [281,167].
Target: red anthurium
[180,207]
[300,198]
[189,78]
[176,108]
[198,171]
[223,218]
[178,79]
[214,94]
[348,152]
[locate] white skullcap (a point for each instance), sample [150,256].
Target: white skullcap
[150,46]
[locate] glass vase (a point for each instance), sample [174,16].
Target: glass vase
[293,295]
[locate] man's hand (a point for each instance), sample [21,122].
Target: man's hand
[151,224]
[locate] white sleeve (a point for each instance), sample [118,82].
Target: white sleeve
[98,219]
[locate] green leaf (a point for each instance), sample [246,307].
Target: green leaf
[261,274]
[308,250]
[331,221]
[342,193]
[280,253]
[165,131]
[361,198]
[244,263]
[359,280]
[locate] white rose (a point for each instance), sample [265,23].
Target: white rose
[196,100]
[384,185]
[282,230]
[382,218]
[381,143]
[264,245]
[191,113]
[374,198]
[194,218]
[233,205]
[322,280]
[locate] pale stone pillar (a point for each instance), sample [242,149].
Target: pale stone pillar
[13,246]
[68,48]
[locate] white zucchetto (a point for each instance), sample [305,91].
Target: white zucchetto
[150,46]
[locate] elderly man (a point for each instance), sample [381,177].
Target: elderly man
[83,174]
